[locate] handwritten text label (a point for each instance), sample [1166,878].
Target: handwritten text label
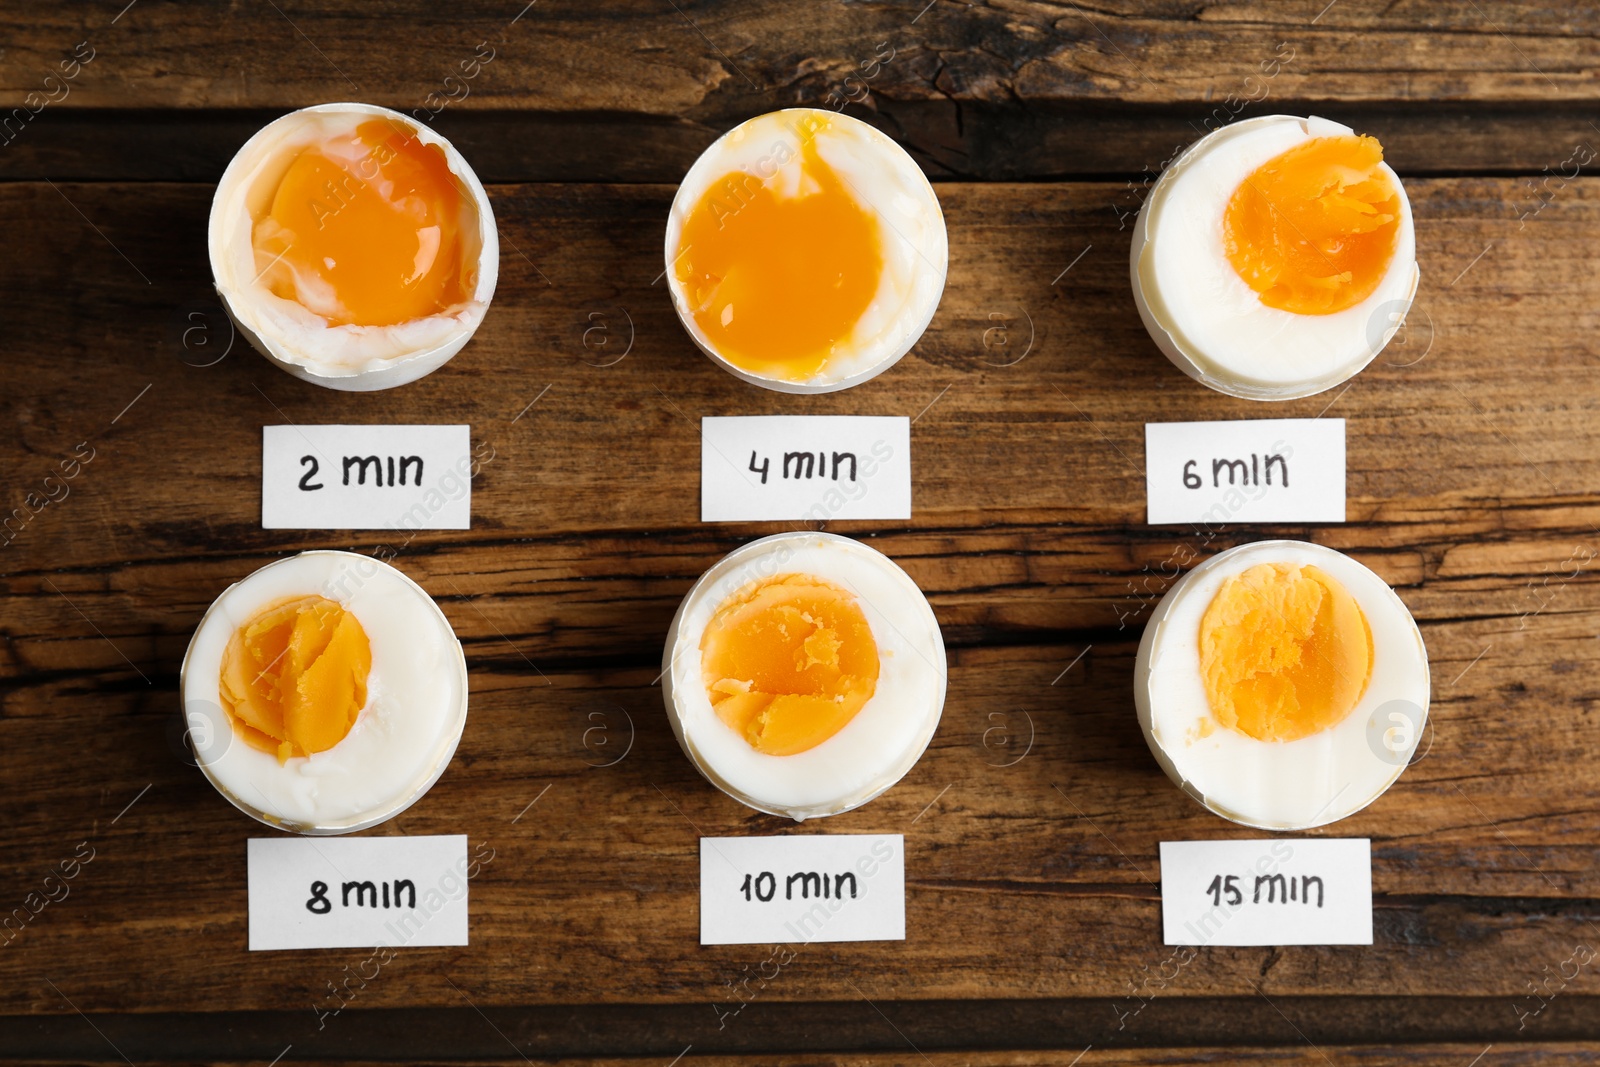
[808,467]
[1278,891]
[366,477]
[357,892]
[1252,470]
[797,889]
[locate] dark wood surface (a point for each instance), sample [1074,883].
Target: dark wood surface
[1032,904]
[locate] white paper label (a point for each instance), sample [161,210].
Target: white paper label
[799,889]
[366,477]
[357,892]
[755,467]
[1273,891]
[1253,470]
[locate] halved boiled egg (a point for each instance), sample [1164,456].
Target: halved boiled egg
[324,693]
[1282,684]
[1275,257]
[353,246]
[805,251]
[804,674]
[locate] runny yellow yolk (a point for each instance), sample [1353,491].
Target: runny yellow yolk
[777,282]
[365,230]
[1313,230]
[294,677]
[1285,652]
[789,662]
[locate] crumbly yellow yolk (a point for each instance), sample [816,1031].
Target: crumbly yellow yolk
[365,230]
[1285,652]
[294,677]
[777,282]
[789,662]
[1313,230]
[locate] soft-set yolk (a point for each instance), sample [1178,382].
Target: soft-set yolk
[365,230]
[1313,230]
[294,677]
[1285,652]
[777,282]
[789,662]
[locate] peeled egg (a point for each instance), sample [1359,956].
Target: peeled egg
[805,251]
[1282,684]
[353,246]
[1275,257]
[804,674]
[324,693]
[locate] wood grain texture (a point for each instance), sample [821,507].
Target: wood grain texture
[696,58]
[1473,462]
[1033,821]
[1454,1055]
[1433,1055]
[632,91]
[1169,1031]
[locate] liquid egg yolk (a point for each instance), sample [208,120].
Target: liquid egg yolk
[365,230]
[1285,652]
[789,662]
[777,281]
[1313,230]
[294,677]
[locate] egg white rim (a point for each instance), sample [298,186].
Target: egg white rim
[678,643]
[390,372]
[1155,632]
[696,179]
[366,819]
[1169,337]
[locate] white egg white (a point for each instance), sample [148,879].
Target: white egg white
[1280,785]
[401,740]
[884,179]
[1207,319]
[356,358]
[878,746]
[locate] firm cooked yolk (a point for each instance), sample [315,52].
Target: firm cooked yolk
[294,677]
[788,662]
[1285,652]
[365,230]
[1313,230]
[778,276]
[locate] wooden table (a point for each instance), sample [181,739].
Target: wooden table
[1032,894]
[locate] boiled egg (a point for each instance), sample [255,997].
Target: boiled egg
[804,674]
[1275,257]
[1282,684]
[353,246]
[805,251]
[324,693]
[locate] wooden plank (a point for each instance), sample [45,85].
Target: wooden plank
[1004,90]
[691,59]
[592,892]
[1473,465]
[1006,141]
[1481,431]
[1366,1055]
[1293,1030]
